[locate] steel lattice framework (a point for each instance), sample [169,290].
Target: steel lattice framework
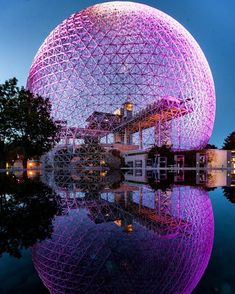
[108,57]
[135,241]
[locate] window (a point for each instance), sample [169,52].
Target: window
[130,163]
[149,162]
[138,173]
[138,163]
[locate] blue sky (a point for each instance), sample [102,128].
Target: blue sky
[24,24]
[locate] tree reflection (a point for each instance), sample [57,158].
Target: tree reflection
[164,183]
[229,193]
[27,208]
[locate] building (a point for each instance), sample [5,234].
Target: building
[199,159]
[128,75]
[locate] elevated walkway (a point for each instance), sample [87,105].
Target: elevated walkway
[101,124]
[165,109]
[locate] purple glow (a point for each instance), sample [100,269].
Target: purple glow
[167,251]
[109,53]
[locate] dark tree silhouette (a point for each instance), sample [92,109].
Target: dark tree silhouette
[26,126]
[210,146]
[229,193]
[229,142]
[27,208]
[8,108]
[163,185]
[164,149]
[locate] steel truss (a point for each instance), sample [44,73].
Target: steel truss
[120,53]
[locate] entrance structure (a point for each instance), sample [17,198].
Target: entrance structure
[125,73]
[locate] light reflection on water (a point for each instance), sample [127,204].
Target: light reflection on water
[150,233]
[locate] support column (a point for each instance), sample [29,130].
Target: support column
[178,131]
[126,198]
[140,137]
[158,134]
[66,140]
[155,134]
[158,206]
[126,136]
[74,147]
[141,199]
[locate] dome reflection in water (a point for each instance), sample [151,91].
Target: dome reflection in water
[127,240]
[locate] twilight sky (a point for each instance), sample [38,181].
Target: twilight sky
[24,24]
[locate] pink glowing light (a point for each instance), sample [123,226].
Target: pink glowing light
[110,53]
[84,256]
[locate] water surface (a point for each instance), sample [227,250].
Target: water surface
[98,232]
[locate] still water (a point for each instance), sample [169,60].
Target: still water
[98,232]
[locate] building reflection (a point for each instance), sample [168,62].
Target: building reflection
[206,178]
[125,237]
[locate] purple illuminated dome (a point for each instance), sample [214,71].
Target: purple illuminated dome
[114,53]
[147,242]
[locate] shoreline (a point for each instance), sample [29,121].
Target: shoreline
[128,168]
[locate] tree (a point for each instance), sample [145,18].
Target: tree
[164,150]
[26,125]
[229,193]
[114,159]
[210,146]
[163,185]
[8,108]
[229,142]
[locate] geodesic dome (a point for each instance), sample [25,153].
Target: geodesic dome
[90,253]
[109,54]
